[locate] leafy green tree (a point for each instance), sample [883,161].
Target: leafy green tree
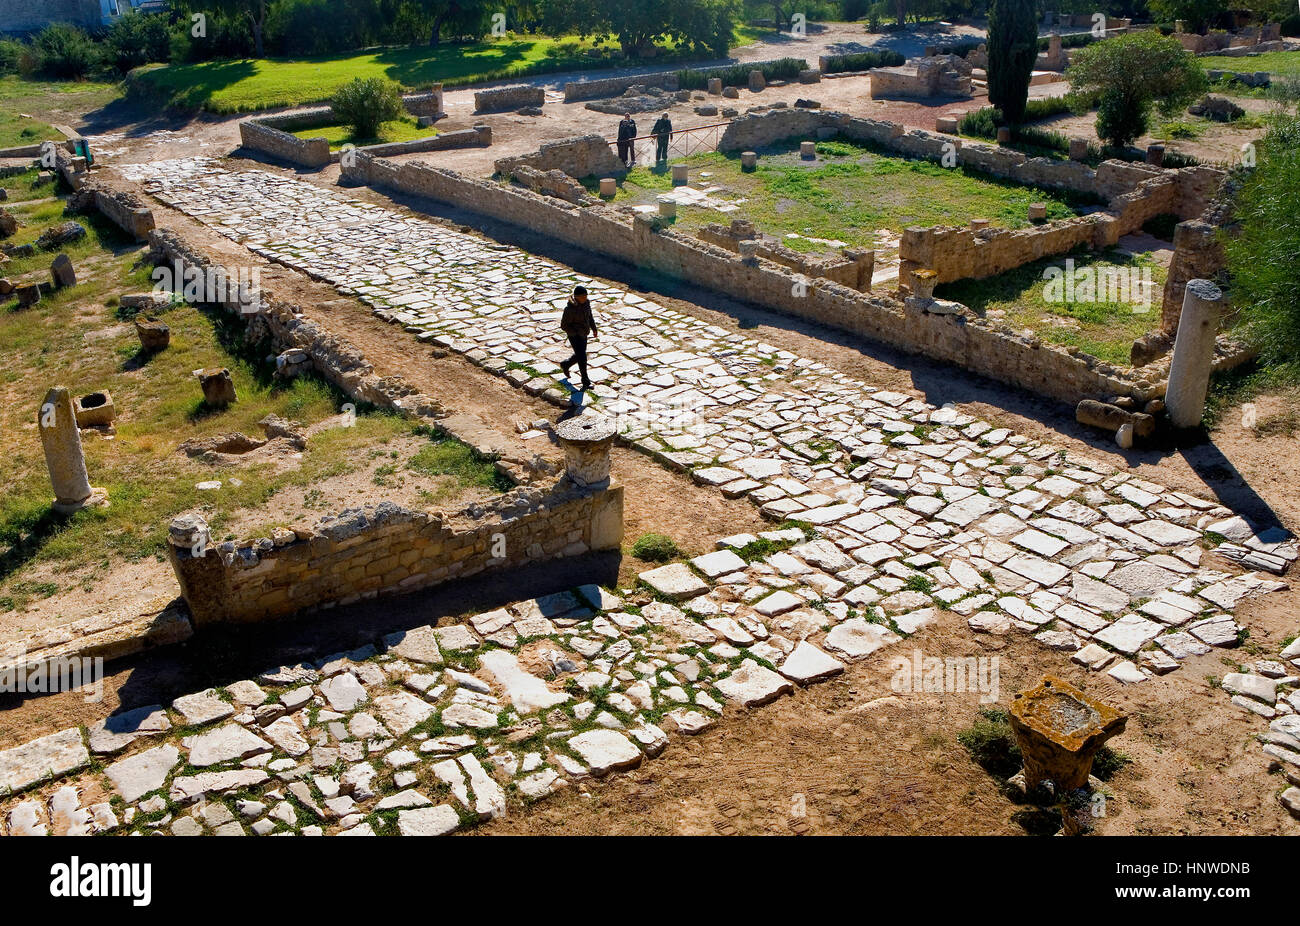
[1197,14]
[367,104]
[1013,47]
[461,17]
[1132,74]
[136,39]
[639,25]
[66,52]
[1264,259]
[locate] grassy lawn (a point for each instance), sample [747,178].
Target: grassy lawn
[848,194]
[1286,63]
[27,107]
[80,337]
[247,85]
[404,129]
[1105,329]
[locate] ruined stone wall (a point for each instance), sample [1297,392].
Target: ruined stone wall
[478,137]
[583,156]
[615,86]
[122,207]
[387,549]
[512,97]
[1195,185]
[306,152]
[845,272]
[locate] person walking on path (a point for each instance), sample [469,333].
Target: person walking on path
[626,132]
[577,322]
[662,131]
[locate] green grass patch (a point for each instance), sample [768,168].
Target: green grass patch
[847,195]
[405,129]
[655,548]
[1020,299]
[29,107]
[446,456]
[1285,63]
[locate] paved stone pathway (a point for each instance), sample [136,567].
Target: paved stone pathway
[897,508]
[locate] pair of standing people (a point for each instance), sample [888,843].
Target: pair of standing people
[662,132]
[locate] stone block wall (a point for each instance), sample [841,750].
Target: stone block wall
[478,137]
[387,549]
[837,270]
[515,96]
[578,90]
[583,156]
[306,152]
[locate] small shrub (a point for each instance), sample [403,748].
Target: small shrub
[66,52]
[12,53]
[365,105]
[864,61]
[992,744]
[655,548]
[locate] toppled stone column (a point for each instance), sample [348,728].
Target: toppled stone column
[1189,371]
[757,81]
[667,207]
[1037,212]
[715,86]
[587,441]
[808,150]
[748,160]
[1078,148]
[1059,730]
[1156,155]
[680,174]
[608,186]
[63,456]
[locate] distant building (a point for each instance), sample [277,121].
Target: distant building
[18,17]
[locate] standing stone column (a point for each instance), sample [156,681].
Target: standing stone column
[63,455]
[1189,372]
[200,570]
[587,441]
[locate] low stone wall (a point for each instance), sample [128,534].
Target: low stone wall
[1195,185]
[306,152]
[576,91]
[123,208]
[967,253]
[853,270]
[386,549]
[962,339]
[1244,41]
[480,136]
[515,96]
[270,134]
[584,156]
[941,75]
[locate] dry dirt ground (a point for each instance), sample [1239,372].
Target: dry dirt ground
[859,759]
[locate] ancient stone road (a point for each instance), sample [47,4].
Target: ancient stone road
[909,507]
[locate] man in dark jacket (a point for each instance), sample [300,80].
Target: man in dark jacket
[662,131]
[577,322]
[626,132]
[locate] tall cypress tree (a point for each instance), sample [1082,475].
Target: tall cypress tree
[1013,46]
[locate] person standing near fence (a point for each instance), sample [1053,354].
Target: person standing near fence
[662,131]
[627,132]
